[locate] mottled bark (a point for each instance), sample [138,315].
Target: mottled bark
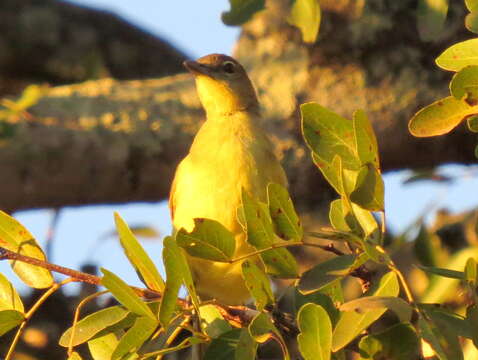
[116,141]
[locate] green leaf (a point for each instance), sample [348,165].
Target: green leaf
[134,338]
[431,16]
[212,322]
[472,320]
[260,234]
[455,323]
[426,247]
[471,5]
[209,240]
[315,338]
[9,298]
[321,298]
[471,21]
[443,339]
[103,344]
[443,288]
[440,117]
[284,217]
[246,347]
[462,80]
[258,284]
[10,319]
[92,324]
[125,294]
[369,192]
[261,328]
[15,237]
[241,11]
[471,271]
[223,347]
[140,260]
[472,123]
[305,14]
[337,216]
[328,135]
[326,273]
[173,261]
[459,55]
[351,324]
[366,145]
[384,345]
[400,307]
[453,274]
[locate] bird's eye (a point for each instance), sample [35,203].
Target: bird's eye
[228,66]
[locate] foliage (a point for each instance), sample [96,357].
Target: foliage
[385,321]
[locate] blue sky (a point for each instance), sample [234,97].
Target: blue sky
[195,27]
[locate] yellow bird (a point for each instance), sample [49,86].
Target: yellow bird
[230,152]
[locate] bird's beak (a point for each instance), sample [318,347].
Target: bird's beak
[195,68]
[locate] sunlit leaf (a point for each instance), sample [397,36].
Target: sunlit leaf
[369,191]
[102,345]
[440,117]
[459,55]
[260,234]
[138,257]
[431,16]
[258,284]
[471,271]
[284,217]
[384,345]
[365,139]
[173,261]
[212,321]
[471,5]
[321,298]
[208,240]
[9,298]
[351,323]
[132,340]
[241,11]
[466,77]
[92,324]
[315,338]
[15,237]
[471,21]
[328,135]
[399,306]
[305,14]
[10,319]
[125,294]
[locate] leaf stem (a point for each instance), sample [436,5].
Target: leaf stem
[77,315]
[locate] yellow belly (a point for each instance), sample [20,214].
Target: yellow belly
[208,185]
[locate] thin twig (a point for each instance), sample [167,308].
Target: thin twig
[30,313]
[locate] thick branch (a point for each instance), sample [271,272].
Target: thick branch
[110,141]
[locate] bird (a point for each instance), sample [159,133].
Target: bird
[230,152]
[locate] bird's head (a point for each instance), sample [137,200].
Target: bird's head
[222,85]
